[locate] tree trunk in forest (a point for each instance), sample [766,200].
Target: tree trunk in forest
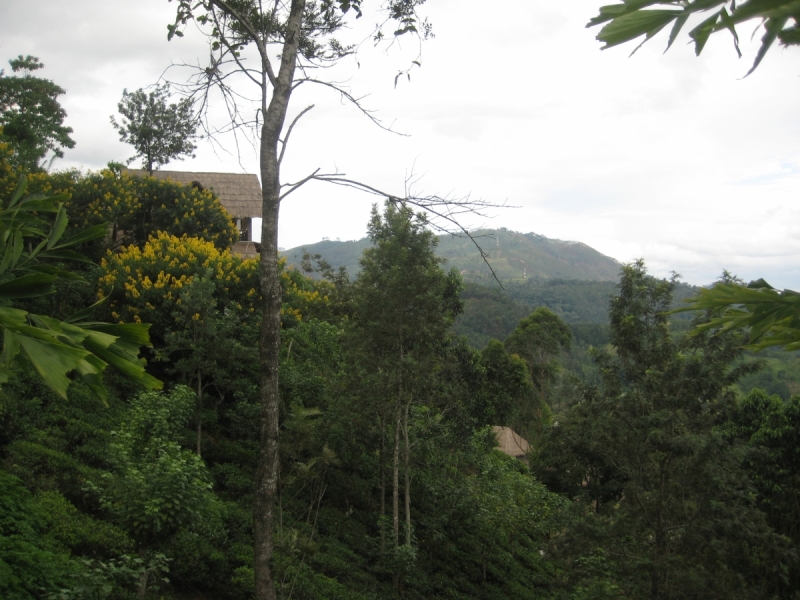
[199,412]
[407,486]
[659,550]
[141,585]
[270,335]
[382,460]
[396,473]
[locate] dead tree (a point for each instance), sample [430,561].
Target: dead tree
[301,33]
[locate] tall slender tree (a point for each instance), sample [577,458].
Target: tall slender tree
[404,303]
[302,34]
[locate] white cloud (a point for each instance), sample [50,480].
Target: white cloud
[666,156]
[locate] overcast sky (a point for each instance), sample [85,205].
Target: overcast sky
[668,157]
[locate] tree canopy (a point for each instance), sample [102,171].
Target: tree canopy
[158,131]
[31,118]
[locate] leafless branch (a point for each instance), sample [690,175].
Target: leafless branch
[349,97]
[294,186]
[285,140]
[443,208]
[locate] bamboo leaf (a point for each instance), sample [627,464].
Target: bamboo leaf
[773,28]
[630,26]
[59,227]
[93,233]
[28,286]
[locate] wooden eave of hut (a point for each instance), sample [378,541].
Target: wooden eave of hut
[239,193]
[510,442]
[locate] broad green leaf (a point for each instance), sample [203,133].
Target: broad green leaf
[676,28]
[16,248]
[38,249]
[85,313]
[725,20]
[10,348]
[631,25]
[28,286]
[65,255]
[773,28]
[701,33]
[58,272]
[133,333]
[39,205]
[91,373]
[12,317]
[59,227]
[19,191]
[765,8]
[121,360]
[52,360]
[93,233]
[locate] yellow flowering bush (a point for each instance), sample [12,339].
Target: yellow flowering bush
[134,208]
[6,171]
[146,284]
[303,297]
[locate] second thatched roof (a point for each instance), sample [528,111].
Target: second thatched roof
[510,442]
[239,193]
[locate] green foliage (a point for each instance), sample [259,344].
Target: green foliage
[489,313]
[667,492]
[155,487]
[55,348]
[158,131]
[29,566]
[771,430]
[635,18]
[518,259]
[772,316]
[137,208]
[98,579]
[508,388]
[31,119]
[147,284]
[539,339]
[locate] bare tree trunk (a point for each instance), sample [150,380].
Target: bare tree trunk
[382,459]
[396,474]
[199,412]
[270,335]
[396,471]
[141,586]
[407,476]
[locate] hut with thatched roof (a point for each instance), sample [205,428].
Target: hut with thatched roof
[511,443]
[239,193]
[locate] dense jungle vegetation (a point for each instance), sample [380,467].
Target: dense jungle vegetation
[658,468]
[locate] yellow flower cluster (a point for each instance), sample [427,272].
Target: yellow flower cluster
[148,282]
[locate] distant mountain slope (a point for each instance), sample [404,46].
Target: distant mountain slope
[513,256]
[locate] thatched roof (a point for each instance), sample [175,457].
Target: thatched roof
[239,193]
[510,442]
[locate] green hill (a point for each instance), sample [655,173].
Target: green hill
[513,256]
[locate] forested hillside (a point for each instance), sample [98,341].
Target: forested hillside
[389,483]
[513,257]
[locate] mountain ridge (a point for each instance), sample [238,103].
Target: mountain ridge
[513,256]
